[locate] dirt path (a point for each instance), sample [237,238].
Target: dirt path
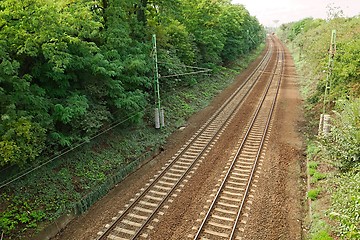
[277,204]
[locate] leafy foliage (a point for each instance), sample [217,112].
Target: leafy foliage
[79,178]
[89,65]
[19,212]
[342,145]
[311,39]
[346,205]
[313,193]
[69,69]
[321,235]
[20,140]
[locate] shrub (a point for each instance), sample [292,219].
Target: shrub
[342,144]
[346,204]
[22,141]
[313,165]
[313,193]
[321,235]
[317,176]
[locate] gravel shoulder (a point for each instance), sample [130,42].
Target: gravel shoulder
[278,204]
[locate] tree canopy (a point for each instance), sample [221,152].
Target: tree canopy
[68,68]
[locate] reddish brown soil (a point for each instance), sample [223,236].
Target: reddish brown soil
[277,206]
[277,209]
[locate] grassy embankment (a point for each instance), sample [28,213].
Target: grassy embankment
[333,160]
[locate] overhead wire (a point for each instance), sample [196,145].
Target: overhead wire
[65,149]
[28,171]
[184,74]
[111,126]
[203,70]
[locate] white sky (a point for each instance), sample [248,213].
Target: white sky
[292,10]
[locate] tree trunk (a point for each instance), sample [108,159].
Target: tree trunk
[141,11]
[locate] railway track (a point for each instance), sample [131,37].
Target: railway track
[132,222]
[227,210]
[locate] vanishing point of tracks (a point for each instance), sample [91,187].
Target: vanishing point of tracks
[226,211]
[226,208]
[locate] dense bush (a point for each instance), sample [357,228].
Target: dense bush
[346,205]
[342,144]
[311,37]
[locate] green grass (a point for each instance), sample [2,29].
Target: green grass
[311,171]
[313,165]
[321,235]
[313,193]
[317,176]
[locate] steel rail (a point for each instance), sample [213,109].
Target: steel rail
[260,148]
[234,161]
[203,129]
[194,162]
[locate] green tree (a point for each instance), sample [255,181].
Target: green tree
[72,67]
[21,140]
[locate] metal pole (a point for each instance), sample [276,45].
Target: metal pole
[156,84]
[332,51]
[331,57]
